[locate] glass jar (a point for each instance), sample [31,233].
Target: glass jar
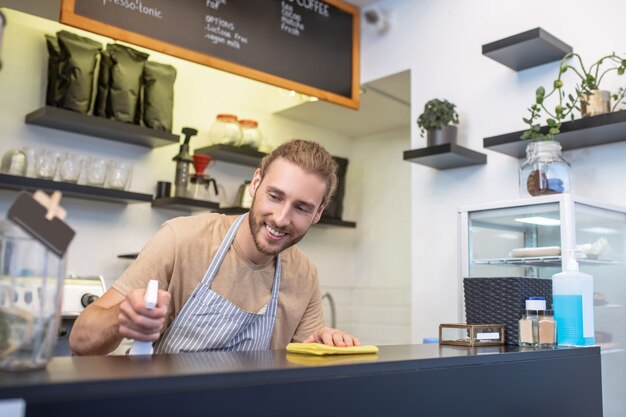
[31,283]
[528,328]
[544,171]
[14,162]
[250,133]
[547,329]
[225,130]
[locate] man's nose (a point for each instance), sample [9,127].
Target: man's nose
[282,216]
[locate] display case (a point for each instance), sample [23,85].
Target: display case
[530,238]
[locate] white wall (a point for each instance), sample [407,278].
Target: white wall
[440,41]
[366,269]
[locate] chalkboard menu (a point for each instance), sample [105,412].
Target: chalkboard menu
[310,46]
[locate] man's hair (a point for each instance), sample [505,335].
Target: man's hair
[311,157]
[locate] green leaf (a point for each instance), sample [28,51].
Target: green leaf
[558,84]
[554,131]
[551,122]
[540,92]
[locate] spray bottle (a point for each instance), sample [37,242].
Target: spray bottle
[183,161]
[572,298]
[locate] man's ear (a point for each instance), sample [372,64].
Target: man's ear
[256,181]
[318,213]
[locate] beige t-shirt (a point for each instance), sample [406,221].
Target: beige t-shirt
[181,251]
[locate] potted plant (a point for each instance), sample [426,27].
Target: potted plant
[437,120]
[545,171]
[586,91]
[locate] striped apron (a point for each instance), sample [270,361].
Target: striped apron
[208,321]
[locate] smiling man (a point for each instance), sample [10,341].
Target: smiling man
[228,282]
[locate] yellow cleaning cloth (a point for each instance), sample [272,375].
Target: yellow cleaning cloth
[320,349]
[314,360]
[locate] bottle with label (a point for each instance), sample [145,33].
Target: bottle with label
[572,295]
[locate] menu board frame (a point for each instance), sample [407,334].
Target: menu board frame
[350,100]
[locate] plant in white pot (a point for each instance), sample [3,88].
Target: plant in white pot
[545,171]
[437,122]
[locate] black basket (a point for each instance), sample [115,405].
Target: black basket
[501,300]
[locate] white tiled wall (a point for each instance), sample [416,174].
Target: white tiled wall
[379,316]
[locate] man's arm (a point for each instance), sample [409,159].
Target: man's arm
[103,324]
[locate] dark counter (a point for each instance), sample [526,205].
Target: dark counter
[428,380]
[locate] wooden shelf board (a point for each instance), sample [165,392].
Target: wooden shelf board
[580,133]
[13,182]
[233,154]
[527,49]
[446,156]
[70,121]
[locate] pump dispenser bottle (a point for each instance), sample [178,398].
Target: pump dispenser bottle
[572,296]
[183,161]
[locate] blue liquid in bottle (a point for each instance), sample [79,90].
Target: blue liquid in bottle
[568,313]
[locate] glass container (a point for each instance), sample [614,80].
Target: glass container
[544,171]
[14,162]
[30,299]
[225,130]
[547,329]
[250,134]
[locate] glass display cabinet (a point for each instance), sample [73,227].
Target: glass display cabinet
[530,237]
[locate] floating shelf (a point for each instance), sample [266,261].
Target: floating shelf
[184,204]
[527,49]
[70,121]
[581,133]
[446,156]
[233,154]
[13,182]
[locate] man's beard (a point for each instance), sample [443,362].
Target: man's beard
[255,229]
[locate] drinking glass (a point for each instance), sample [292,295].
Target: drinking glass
[70,166]
[120,173]
[96,171]
[46,162]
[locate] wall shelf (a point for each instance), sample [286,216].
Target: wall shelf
[70,121]
[446,156]
[580,133]
[527,49]
[13,182]
[233,154]
[184,204]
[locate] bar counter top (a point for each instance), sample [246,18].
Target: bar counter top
[428,380]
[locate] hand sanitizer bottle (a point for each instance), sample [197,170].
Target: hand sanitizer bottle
[572,298]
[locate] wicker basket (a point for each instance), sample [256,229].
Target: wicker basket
[501,300]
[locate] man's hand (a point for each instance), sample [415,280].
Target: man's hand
[139,323]
[332,337]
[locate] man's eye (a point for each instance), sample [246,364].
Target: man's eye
[303,209]
[273,197]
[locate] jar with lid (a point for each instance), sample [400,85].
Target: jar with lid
[547,329]
[250,134]
[30,298]
[529,322]
[544,171]
[225,130]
